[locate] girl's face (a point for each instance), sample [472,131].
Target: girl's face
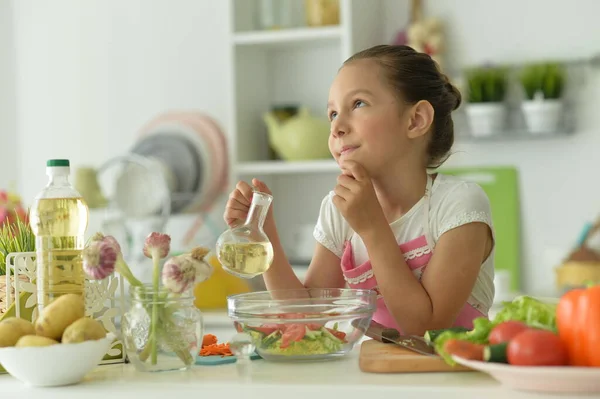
[369,124]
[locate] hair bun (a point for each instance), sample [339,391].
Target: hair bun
[454,92]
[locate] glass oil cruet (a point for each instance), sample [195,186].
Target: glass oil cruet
[245,251]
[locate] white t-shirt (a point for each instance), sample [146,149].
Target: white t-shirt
[453,203]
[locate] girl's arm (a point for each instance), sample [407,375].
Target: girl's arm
[280,275]
[324,270]
[436,301]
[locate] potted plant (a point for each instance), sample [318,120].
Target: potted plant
[16,237]
[486,111]
[543,86]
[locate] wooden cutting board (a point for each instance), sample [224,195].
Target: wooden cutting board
[377,357]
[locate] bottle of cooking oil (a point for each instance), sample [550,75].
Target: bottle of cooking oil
[59,219]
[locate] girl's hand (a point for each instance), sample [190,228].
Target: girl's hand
[239,201]
[355,198]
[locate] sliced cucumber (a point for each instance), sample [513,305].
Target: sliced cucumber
[271,338]
[332,337]
[431,335]
[257,336]
[312,335]
[495,353]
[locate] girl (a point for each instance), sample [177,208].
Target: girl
[424,242]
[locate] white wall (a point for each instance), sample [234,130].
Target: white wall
[558,179]
[89,74]
[8,129]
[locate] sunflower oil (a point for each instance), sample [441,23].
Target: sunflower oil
[59,219]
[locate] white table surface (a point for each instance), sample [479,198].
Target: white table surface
[341,378]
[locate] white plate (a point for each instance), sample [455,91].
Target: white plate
[539,379]
[210,143]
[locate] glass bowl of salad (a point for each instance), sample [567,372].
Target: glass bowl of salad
[303,324]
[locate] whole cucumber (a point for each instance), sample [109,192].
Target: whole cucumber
[431,335]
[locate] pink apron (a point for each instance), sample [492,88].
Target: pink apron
[417,253]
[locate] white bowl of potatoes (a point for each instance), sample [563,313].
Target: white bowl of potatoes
[60,348]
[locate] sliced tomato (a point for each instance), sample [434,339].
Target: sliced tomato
[338,334]
[267,328]
[238,326]
[506,331]
[314,326]
[537,348]
[293,333]
[465,349]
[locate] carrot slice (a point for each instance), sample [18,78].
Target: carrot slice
[211,347]
[216,350]
[209,339]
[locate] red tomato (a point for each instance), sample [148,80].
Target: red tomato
[266,328]
[537,348]
[293,332]
[506,331]
[465,349]
[238,326]
[314,326]
[338,334]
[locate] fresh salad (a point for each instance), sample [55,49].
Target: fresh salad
[293,339]
[529,332]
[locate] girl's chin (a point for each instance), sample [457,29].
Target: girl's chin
[348,157]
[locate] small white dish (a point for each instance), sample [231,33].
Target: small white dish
[55,365]
[557,379]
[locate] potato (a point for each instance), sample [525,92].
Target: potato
[34,340]
[14,328]
[58,315]
[84,329]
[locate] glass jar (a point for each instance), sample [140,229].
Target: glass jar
[274,14]
[322,12]
[162,331]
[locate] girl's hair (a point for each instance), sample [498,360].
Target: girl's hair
[415,77]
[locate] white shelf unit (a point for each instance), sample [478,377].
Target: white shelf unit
[286,168]
[293,66]
[288,36]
